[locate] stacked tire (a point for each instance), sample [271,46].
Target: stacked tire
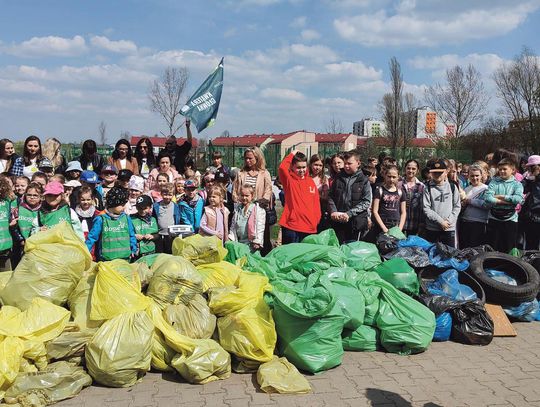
[526,276]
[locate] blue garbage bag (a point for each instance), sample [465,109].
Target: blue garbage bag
[526,311]
[415,241]
[501,277]
[443,327]
[447,284]
[446,263]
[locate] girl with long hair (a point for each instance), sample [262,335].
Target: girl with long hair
[27,165]
[144,154]
[7,155]
[122,158]
[90,159]
[52,149]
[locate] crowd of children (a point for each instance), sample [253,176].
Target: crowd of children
[123,215]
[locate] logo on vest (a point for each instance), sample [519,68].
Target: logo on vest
[118,228]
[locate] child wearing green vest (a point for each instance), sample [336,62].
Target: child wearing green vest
[146,227]
[112,232]
[54,210]
[7,200]
[26,214]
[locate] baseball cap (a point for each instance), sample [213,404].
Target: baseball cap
[125,175]
[436,166]
[109,168]
[90,177]
[136,183]
[45,163]
[72,183]
[144,201]
[74,166]
[190,184]
[53,188]
[533,160]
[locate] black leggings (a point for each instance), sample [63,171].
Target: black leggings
[471,234]
[502,235]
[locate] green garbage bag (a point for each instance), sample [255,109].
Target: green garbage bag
[306,258]
[57,382]
[398,273]
[515,252]
[309,332]
[364,339]
[350,303]
[326,238]
[397,233]
[406,326]
[366,285]
[120,352]
[236,251]
[361,256]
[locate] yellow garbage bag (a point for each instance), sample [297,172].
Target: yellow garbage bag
[192,319]
[220,274]
[126,270]
[174,280]
[250,289]
[194,366]
[69,344]
[4,278]
[162,354]
[249,333]
[119,353]
[41,322]
[199,249]
[113,295]
[59,381]
[51,267]
[281,376]
[11,354]
[200,360]
[79,301]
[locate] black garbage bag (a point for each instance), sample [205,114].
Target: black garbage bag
[471,324]
[386,243]
[470,253]
[415,256]
[438,303]
[446,252]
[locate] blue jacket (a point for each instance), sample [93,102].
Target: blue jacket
[156,206]
[95,235]
[512,191]
[191,215]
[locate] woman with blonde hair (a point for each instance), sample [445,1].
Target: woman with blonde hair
[52,149]
[255,174]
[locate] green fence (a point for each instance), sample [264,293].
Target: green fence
[233,155]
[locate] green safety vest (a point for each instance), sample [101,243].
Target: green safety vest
[142,228]
[26,219]
[53,218]
[115,242]
[6,242]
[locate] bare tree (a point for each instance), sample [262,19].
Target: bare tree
[102,131]
[518,84]
[225,133]
[392,105]
[408,120]
[334,126]
[125,134]
[165,94]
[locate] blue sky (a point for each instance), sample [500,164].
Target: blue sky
[289,64]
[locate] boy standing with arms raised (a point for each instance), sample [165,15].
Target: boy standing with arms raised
[441,205]
[349,200]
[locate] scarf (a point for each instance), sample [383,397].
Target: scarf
[112,215]
[85,213]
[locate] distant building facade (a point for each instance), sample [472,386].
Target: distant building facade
[369,128]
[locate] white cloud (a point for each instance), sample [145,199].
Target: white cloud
[121,46]
[48,46]
[282,94]
[14,86]
[418,27]
[316,53]
[299,22]
[310,35]
[485,63]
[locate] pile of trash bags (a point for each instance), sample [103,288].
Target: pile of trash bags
[203,312]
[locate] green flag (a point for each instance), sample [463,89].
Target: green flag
[202,107]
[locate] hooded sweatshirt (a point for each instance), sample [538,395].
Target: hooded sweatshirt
[512,191]
[302,211]
[440,204]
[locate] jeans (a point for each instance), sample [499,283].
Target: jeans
[291,236]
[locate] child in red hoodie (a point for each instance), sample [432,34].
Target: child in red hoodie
[302,210]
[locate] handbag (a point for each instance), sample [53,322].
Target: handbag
[502,213]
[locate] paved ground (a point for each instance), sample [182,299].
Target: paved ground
[505,373]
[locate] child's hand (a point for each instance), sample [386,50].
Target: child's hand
[220,236]
[139,237]
[13,222]
[255,246]
[148,236]
[445,225]
[43,228]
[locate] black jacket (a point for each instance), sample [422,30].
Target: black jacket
[531,206]
[98,162]
[350,194]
